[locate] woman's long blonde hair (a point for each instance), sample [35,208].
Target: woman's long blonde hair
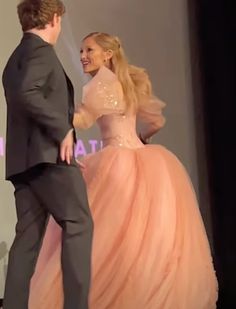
[134,80]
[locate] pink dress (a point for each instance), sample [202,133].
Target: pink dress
[150,249]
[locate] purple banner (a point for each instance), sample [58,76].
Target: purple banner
[82,147]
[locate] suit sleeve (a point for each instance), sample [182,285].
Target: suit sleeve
[36,73]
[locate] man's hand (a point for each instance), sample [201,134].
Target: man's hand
[67,147]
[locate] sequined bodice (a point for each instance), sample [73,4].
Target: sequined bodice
[119,130]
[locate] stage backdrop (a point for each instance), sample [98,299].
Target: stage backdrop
[154,35]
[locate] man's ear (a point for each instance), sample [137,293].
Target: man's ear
[55,20]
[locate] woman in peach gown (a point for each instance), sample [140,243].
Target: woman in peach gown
[150,249]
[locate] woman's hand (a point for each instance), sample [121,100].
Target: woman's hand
[145,141]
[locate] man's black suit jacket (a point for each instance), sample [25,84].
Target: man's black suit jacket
[40,105]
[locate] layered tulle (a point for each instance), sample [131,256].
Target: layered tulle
[150,249]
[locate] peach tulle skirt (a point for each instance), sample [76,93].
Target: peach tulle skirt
[150,249]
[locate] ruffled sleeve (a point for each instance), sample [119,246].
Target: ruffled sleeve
[150,116]
[102,95]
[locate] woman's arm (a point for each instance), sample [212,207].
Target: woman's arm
[151,118]
[83,118]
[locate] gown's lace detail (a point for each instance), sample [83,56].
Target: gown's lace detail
[103,101]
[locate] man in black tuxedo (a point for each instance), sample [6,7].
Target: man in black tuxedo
[40,161]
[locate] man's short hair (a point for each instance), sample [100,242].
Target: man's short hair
[38,13]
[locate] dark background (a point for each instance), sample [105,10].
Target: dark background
[212,36]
